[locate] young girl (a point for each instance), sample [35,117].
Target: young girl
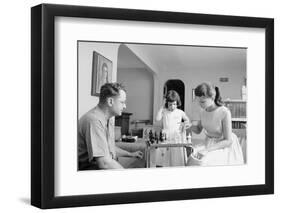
[172,118]
[222,146]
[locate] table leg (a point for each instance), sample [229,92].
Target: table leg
[184,155]
[147,157]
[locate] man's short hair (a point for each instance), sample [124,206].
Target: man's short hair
[109,90]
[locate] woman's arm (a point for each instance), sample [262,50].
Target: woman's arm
[227,131]
[197,128]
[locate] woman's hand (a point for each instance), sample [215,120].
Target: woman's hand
[184,125]
[202,153]
[195,126]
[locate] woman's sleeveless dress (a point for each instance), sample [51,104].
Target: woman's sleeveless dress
[212,127]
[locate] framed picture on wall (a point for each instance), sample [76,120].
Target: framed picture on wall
[60,83]
[101,72]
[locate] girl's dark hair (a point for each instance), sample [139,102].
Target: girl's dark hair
[209,91]
[110,90]
[172,96]
[218,98]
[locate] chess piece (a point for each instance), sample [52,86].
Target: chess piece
[156,138]
[151,137]
[161,136]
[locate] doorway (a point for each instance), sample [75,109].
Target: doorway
[179,87]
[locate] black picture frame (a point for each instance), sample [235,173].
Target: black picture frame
[43,102]
[102,68]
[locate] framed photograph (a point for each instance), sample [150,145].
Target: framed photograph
[102,72]
[145,55]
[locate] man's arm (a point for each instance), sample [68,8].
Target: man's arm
[123,153]
[107,163]
[97,143]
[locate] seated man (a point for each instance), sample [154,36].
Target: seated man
[96,145]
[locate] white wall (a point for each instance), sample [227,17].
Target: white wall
[85,60]
[147,60]
[139,85]
[195,73]
[194,77]
[15,107]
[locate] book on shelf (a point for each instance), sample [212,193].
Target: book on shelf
[238,109]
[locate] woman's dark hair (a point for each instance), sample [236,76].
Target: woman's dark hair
[172,96]
[209,91]
[109,90]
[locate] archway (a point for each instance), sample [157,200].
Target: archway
[178,86]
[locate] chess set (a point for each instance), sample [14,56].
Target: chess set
[161,137]
[162,140]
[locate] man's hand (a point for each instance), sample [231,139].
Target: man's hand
[137,154]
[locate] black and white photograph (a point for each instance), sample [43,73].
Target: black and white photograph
[140,106]
[133,106]
[161,105]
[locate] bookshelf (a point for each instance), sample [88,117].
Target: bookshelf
[238,110]
[123,121]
